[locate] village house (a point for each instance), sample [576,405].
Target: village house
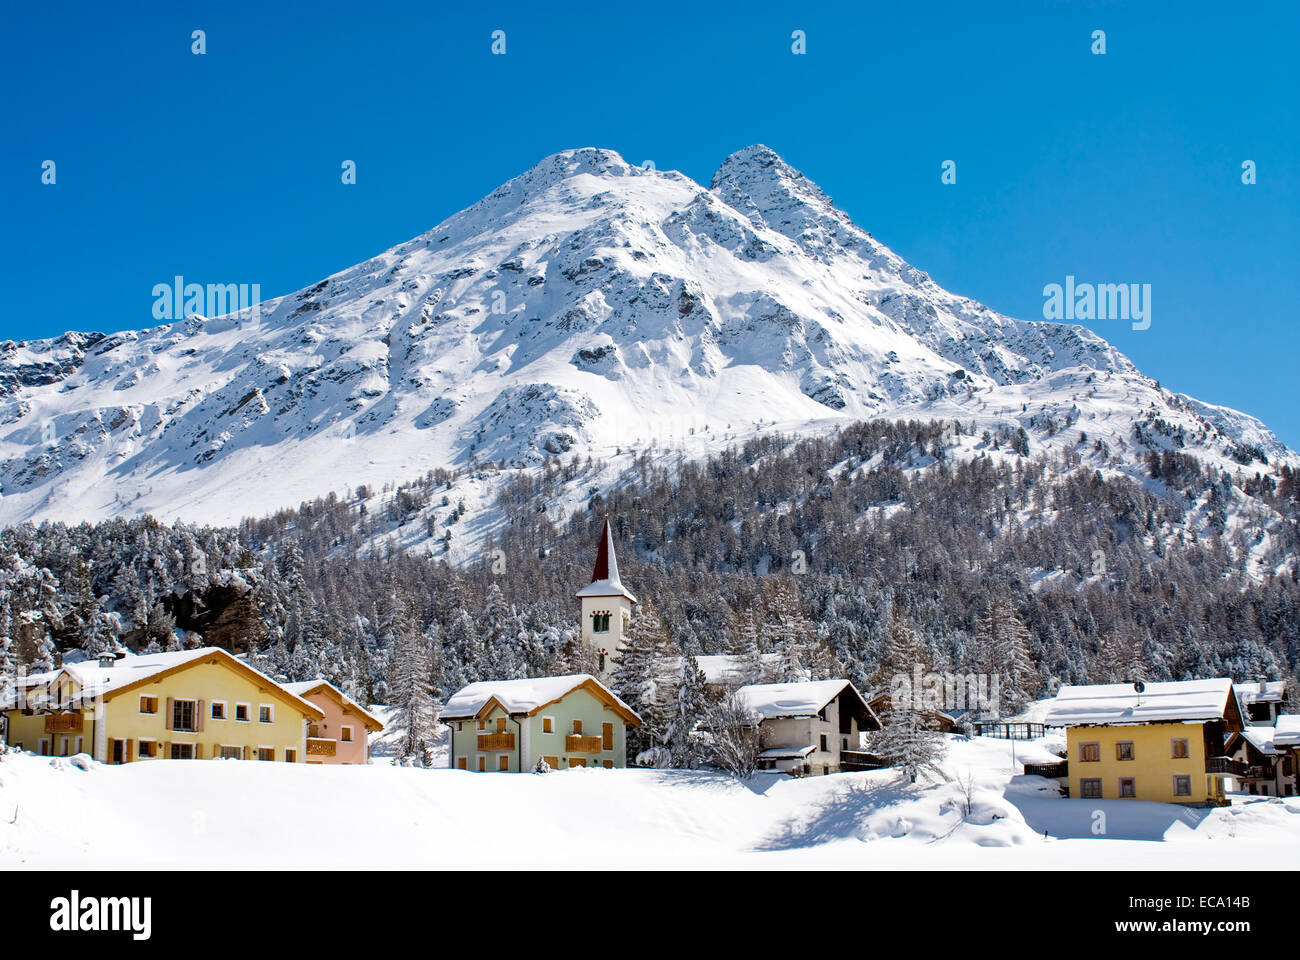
[1270,770]
[1261,702]
[811,727]
[510,725]
[1164,742]
[342,735]
[182,705]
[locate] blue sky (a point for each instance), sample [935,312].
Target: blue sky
[1117,168]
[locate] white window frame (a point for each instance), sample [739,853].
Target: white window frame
[346,728]
[230,746]
[270,712]
[248,713]
[139,703]
[266,746]
[550,732]
[456,762]
[140,740]
[225,714]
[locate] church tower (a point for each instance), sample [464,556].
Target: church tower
[606,605]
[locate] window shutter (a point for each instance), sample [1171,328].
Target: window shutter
[198,716]
[171,705]
[165,750]
[130,745]
[198,751]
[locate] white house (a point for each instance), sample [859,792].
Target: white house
[805,728]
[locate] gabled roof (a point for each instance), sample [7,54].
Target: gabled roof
[1123,703]
[131,672]
[1286,732]
[526,697]
[806,699]
[305,688]
[604,578]
[1268,691]
[1260,737]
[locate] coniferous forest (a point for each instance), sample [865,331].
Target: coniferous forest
[817,549]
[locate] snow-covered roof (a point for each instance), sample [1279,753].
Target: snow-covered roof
[1273,691]
[301,688]
[526,696]
[132,669]
[786,753]
[1171,701]
[1286,732]
[605,581]
[1261,738]
[771,700]
[129,669]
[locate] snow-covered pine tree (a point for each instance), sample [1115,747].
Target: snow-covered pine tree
[1002,643]
[749,656]
[409,690]
[903,651]
[683,739]
[786,631]
[907,741]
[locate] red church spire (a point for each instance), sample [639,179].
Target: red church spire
[605,581]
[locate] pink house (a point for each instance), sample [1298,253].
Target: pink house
[342,736]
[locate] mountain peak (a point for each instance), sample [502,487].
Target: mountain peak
[759,166]
[770,192]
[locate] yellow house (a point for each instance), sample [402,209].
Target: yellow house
[1148,741]
[189,704]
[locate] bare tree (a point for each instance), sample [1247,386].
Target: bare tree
[734,727]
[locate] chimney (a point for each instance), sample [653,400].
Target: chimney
[107,659]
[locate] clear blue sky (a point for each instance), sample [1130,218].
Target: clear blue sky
[1117,168]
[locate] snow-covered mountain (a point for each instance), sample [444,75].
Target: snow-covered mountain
[588,306]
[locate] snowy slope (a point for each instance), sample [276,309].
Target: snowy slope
[587,306]
[236,814]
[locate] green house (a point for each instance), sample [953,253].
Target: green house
[510,725]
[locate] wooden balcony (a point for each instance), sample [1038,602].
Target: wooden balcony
[1225,767]
[496,741]
[320,747]
[856,760]
[63,723]
[581,744]
[1053,771]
